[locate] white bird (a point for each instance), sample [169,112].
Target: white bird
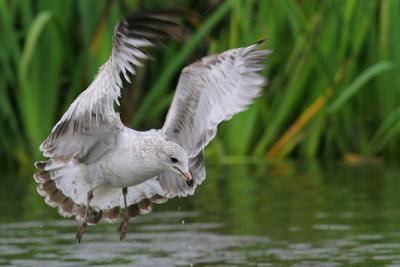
[96,165]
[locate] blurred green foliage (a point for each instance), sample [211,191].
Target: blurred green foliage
[334,75]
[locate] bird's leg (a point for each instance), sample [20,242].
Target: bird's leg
[82,228]
[125,219]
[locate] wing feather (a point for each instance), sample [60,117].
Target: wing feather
[91,119]
[210,91]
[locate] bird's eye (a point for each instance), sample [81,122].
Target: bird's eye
[174,160]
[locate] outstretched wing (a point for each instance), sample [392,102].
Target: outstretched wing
[90,125]
[210,91]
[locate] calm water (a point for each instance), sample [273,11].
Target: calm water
[243,215]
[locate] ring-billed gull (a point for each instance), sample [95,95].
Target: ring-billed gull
[97,166]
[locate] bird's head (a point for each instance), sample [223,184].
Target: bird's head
[174,159]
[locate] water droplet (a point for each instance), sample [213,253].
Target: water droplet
[183,221]
[191,265]
[189,247]
[179,207]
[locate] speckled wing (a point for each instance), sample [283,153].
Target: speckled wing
[210,91]
[90,125]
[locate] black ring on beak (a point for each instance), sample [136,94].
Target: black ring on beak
[187,176]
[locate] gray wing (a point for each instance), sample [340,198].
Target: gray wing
[210,91]
[90,125]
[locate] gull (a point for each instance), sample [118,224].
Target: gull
[99,169]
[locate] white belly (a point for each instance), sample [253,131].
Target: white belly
[129,164]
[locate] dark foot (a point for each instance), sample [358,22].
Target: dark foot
[124,225]
[82,228]
[80,232]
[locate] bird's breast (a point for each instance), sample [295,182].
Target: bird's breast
[129,164]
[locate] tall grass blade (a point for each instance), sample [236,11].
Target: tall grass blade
[38,79]
[389,129]
[358,83]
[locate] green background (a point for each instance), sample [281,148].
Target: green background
[334,83]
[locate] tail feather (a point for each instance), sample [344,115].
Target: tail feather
[52,180]
[133,211]
[145,206]
[158,199]
[111,215]
[62,185]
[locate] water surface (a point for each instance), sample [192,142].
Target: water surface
[243,215]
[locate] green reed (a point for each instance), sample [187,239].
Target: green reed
[334,83]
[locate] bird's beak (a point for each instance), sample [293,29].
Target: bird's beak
[186,176]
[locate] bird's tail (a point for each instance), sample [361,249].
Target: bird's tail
[62,185]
